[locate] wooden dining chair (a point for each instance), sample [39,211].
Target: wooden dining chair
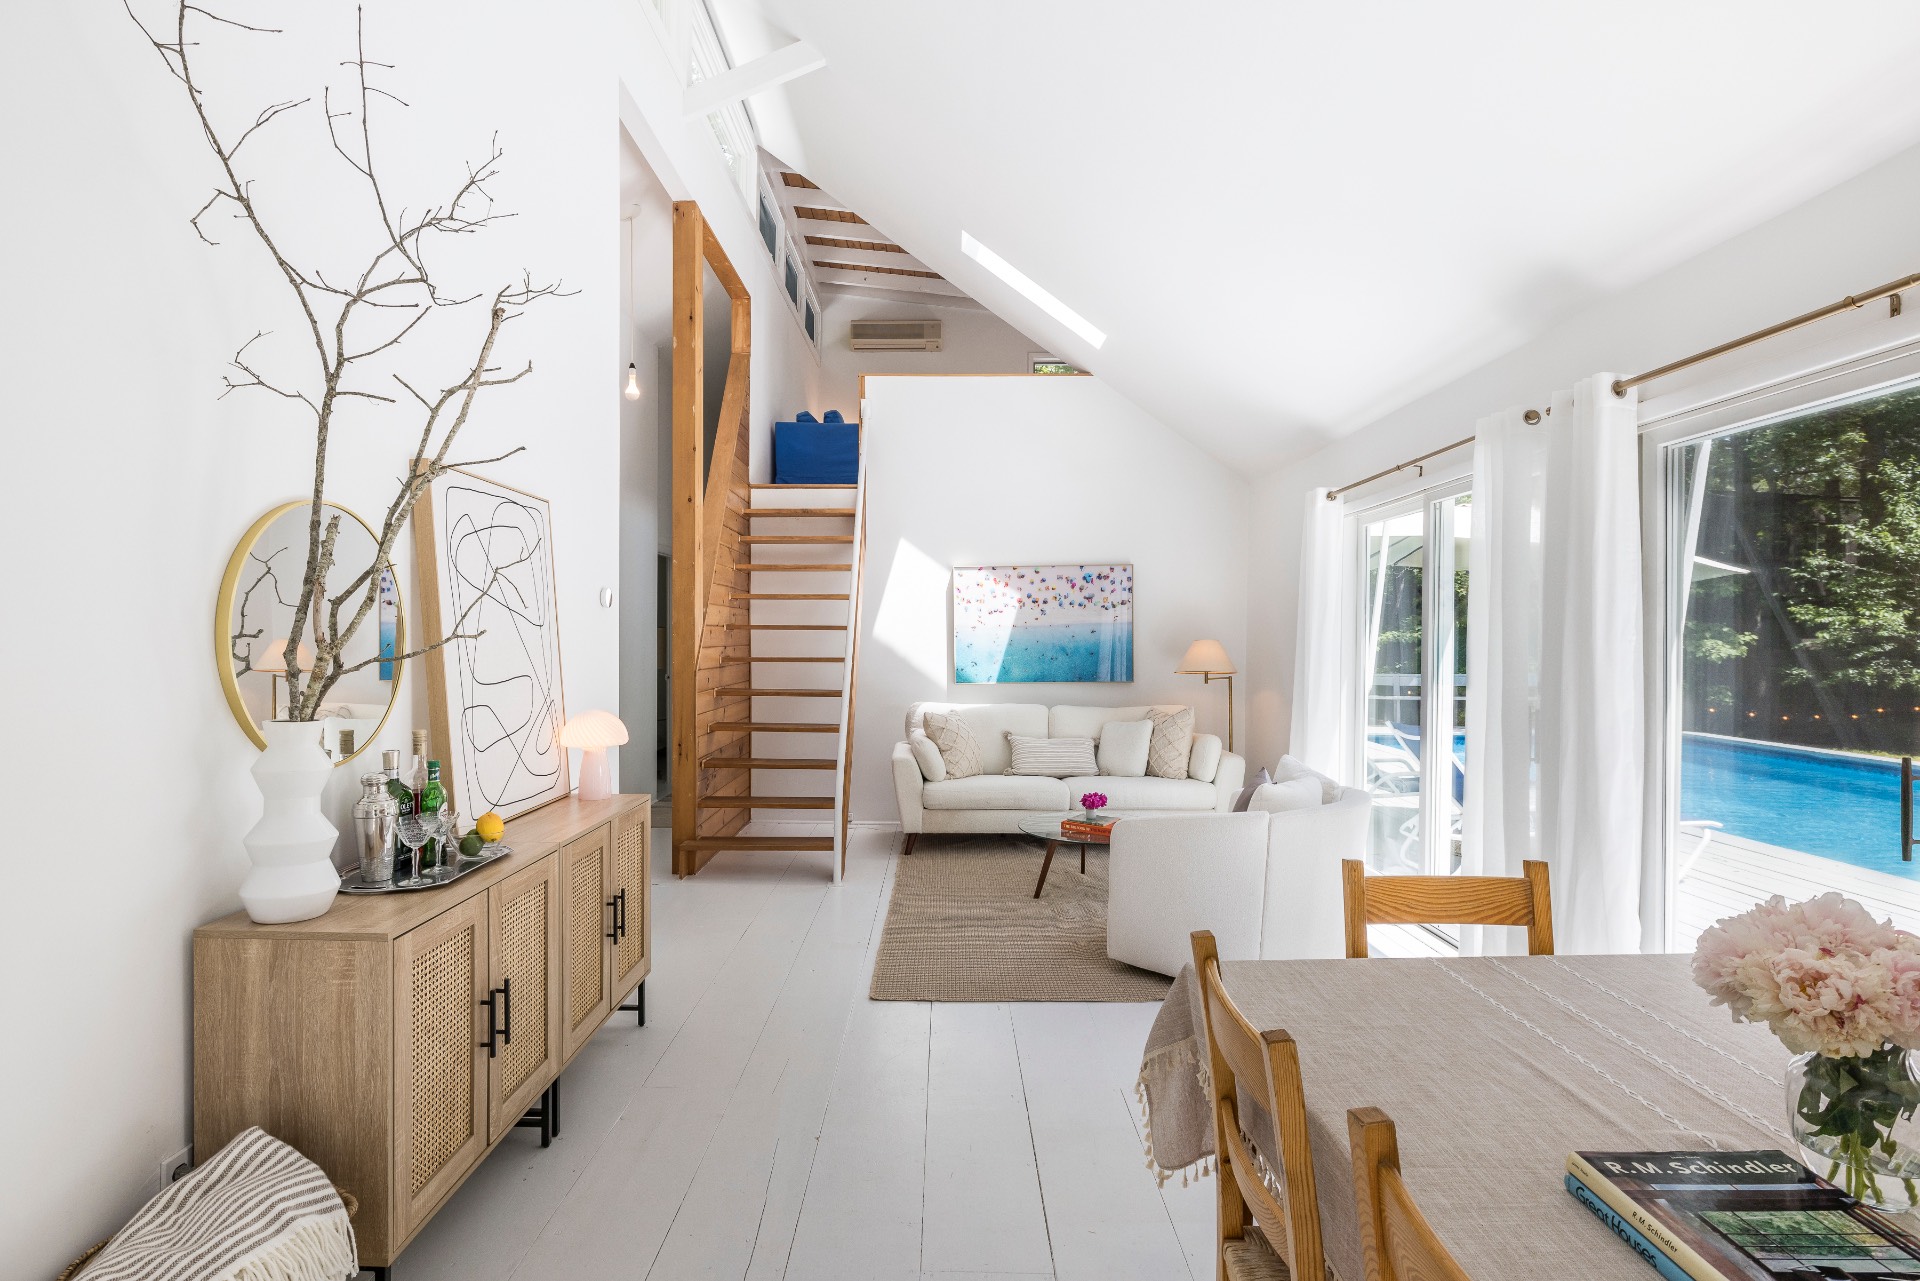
[1448,900]
[1283,1239]
[1396,1241]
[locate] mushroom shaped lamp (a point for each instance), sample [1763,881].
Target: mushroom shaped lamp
[593,733]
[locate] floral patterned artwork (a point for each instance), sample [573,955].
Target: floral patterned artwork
[1014,623]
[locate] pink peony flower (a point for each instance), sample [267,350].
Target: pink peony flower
[1092,800]
[1823,975]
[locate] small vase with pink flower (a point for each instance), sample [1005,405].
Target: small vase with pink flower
[1842,991]
[1090,805]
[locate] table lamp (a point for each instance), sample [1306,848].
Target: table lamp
[273,661]
[1208,658]
[593,733]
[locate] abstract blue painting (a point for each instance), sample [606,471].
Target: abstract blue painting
[1016,623]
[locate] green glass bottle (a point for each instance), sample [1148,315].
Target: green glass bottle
[431,801]
[403,795]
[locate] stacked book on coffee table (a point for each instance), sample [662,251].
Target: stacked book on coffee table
[1075,827]
[1739,1216]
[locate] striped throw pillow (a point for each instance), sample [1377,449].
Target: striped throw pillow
[1052,757]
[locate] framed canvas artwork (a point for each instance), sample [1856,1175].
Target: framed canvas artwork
[1042,623]
[484,554]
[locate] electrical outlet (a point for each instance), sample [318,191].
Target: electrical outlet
[175,1167]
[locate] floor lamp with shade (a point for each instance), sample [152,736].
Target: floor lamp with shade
[273,661]
[1208,659]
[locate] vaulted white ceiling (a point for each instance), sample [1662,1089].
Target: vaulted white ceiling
[1291,218]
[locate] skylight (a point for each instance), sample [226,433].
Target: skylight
[1027,289]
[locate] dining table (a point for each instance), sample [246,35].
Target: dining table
[1493,1070]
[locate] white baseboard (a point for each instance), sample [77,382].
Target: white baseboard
[875,824]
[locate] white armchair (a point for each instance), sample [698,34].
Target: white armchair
[1266,884]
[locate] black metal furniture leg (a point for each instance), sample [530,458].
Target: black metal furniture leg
[639,1006]
[553,1105]
[542,1115]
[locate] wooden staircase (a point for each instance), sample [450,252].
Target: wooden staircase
[766,607]
[774,732]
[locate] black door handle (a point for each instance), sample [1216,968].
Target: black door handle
[491,1044]
[613,919]
[506,1015]
[620,915]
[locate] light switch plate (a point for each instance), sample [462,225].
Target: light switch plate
[174,1167]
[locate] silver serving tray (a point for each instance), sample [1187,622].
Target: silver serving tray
[352,884]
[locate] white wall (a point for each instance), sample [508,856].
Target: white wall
[132,482]
[1026,470]
[1851,238]
[972,341]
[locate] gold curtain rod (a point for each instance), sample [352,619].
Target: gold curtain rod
[1851,302]
[1398,467]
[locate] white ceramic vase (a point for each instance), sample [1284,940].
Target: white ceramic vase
[293,877]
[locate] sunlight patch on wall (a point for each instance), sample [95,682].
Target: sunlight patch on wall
[912,618]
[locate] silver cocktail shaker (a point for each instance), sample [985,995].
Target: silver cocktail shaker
[375,815]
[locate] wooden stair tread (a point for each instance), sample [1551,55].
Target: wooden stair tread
[769,762]
[773,727]
[791,596]
[799,511]
[762,567]
[776,658]
[799,540]
[786,627]
[748,691]
[758,843]
[766,802]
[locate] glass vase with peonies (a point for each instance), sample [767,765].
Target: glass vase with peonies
[1090,803]
[1842,991]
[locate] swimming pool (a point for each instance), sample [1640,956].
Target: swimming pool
[1835,804]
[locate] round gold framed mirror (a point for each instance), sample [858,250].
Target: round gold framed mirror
[255,612]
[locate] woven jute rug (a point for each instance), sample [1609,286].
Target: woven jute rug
[964,926]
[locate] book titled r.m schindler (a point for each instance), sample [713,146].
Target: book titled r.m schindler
[1739,1216]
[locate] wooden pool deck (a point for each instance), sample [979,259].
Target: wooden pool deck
[1734,873]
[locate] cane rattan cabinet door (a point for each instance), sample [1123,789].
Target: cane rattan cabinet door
[632,846]
[440,1060]
[523,1053]
[586,912]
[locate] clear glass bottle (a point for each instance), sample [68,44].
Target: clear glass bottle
[403,804]
[417,782]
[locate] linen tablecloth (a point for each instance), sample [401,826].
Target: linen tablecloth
[1493,1069]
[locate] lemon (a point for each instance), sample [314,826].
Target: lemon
[490,827]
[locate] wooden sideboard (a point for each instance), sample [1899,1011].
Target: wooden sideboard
[397,1038]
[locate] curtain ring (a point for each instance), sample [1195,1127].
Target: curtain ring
[1531,417]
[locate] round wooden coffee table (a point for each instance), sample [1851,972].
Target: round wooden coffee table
[1046,827]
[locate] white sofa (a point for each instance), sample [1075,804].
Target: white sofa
[995,801]
[1266,883]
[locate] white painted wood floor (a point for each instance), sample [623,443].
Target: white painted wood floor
[770,1121]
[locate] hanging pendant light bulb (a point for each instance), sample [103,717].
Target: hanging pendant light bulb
[633,382]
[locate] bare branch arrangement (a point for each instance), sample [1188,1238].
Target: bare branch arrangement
[347,325]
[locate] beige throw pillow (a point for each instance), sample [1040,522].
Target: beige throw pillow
[1123,748]
[958,748]
[1172,743]
[933,767]
[1051,757]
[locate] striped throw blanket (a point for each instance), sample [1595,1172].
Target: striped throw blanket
[258,1211]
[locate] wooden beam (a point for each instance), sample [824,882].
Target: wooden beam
[761,74]
[689,595]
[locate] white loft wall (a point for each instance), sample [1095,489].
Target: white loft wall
[786,368]
[972,342]
[1855,236]
[1034,470]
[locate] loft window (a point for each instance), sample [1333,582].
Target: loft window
[1040,363]
[769,227]
[793,279]
[810,323]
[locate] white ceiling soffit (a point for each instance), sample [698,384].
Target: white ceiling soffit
[1291,218]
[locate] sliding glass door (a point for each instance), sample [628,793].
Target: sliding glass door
[1413,665]
[1792,627]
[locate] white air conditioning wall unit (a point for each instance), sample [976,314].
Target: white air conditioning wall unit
[896,335]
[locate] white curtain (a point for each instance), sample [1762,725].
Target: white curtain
[1555,678]
[1320,710]
[1503,656]
[1592,741]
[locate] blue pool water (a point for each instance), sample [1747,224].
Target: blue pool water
[1837,805]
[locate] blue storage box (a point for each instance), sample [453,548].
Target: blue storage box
[810,452]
